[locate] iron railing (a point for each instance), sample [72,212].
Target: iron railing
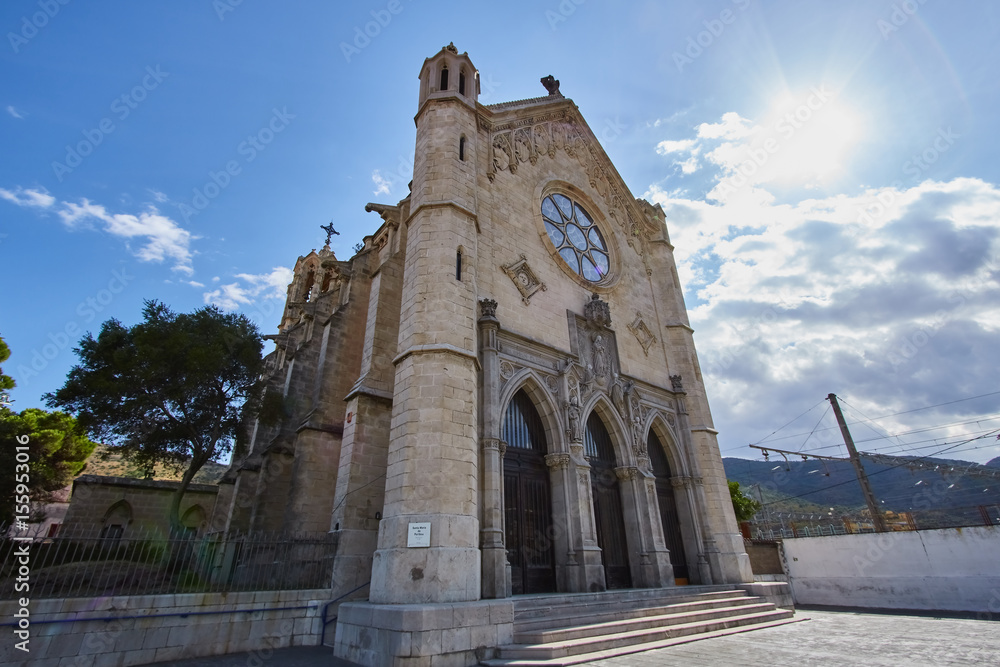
[88,563]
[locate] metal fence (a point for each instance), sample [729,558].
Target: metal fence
[89,563]
[780,525]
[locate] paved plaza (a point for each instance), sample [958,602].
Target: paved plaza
[829,638]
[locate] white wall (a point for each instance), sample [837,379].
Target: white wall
[140,631]
[952,569]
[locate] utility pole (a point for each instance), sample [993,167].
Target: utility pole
[878,521]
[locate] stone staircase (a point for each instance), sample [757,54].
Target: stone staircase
[569,629]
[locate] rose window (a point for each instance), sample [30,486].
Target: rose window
[576,237]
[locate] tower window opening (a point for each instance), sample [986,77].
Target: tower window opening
[461,83]
[458,264]
[444,79]
[308,285]
[461,149]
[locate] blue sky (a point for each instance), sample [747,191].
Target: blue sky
[828,171]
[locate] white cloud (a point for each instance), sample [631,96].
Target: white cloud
[690,165]
[675,146]
[249,288]
[162,237]
[28,198]
[890,298]
[382,185]
[732,126]
[14,112]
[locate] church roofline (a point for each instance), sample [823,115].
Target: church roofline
[530,101]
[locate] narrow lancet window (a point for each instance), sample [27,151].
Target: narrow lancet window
[458,264]
[444,79]
[461,149]
[461,83]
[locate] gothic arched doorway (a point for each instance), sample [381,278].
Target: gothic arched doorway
[608,515]
[527,500]
[668,508]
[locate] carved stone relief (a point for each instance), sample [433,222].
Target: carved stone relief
[557,461]
[524,140]
[524,279]
[642,333]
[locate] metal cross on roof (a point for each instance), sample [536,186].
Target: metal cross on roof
[330,231]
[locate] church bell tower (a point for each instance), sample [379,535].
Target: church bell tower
[428,546]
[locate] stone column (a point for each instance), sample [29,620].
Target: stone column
[496,571]
[649,557]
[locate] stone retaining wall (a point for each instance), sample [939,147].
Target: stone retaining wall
[151,628]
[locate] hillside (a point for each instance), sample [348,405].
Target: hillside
[112,465]
[814,485]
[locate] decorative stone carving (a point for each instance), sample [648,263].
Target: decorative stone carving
[551,84]
[552,383]
[601,362]
[543,135]
[680,482]
[675,383]
[642,333]
[557,461]
[507,370]
[597,312]
[573,414]
[524,279]
[496,445]
[671,419]
[487,308]
[626,473]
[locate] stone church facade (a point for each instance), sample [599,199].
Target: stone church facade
[498,395]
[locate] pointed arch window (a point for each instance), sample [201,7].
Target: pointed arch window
[597,442]
[444,78]
[522,427]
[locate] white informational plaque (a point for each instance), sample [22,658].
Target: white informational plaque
[420,535]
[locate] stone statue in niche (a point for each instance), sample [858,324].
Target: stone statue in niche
[601,364]
[573,413]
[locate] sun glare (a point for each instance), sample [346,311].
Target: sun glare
[813,135]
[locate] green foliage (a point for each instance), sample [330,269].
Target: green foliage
[58,448]
[172,389]
[6,381]
[744,507]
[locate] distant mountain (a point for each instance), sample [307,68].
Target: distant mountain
[834,484]
[993,463]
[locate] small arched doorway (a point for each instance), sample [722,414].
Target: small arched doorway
[668,508]
[527,500]
[608,515]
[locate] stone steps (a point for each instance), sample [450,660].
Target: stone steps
[577,614]
[576,628]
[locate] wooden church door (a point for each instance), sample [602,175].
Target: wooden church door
[608,514]
[668,508]
[527,500]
